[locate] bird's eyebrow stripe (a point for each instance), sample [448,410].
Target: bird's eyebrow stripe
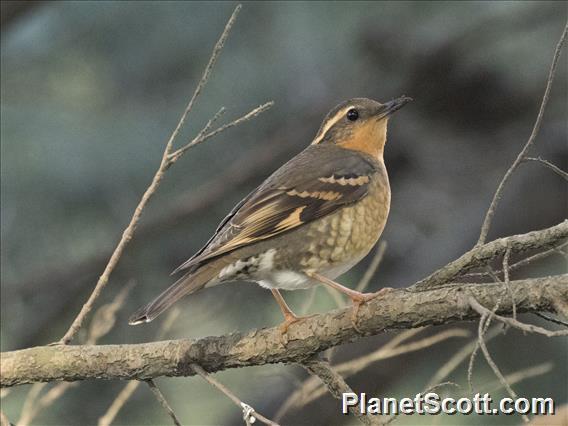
[330,123]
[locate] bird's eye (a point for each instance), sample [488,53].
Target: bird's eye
[352,114]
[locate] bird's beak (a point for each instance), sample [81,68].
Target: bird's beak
[390,107]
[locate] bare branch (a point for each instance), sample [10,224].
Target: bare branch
[174,156]
[548,164]
[524,262]
[373,266]
[519,376]
[28,409]
[529,328]
[455,360]
[159,175]
[124,395]
[308,301]
[4,419]
[484,324]
[104,318]
[521,156]
[336,385]
[365,279]
[400,310]
[492,364]
[306,391]
[128,390]
[205,134]
[102,323]
[552,320]
[359,364]
[311,389]
[249,413]
[484,254]
[336,296]
[258,110]
[162,400]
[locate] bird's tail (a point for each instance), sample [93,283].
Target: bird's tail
[187,284]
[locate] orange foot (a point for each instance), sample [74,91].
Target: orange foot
[361,298]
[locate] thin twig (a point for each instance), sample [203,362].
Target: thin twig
[511,379]
[485,254]
[484,323]
[529,328]
[373,266]
[549,318]
[29,408]
[204,134]
[359,364]
[522,155]
[128,390]
[520,375]
[4,421]
[337,298]
[502,379]
[365,279]
[159,175]
[174,156]
[104,318]
[162,400]
[311,389]
[309,301]
[102,323]
[336,386]
[548,164]
[249,413]
[455,360]
[118,402]
[521,263]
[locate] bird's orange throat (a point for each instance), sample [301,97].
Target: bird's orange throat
[369,137]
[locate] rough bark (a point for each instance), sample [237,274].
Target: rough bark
[400,309]
[483,255]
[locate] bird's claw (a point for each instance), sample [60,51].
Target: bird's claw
[361,299]
[288,321]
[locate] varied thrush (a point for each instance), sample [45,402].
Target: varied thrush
[312,220]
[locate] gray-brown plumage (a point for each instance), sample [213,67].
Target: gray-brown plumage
[309,222]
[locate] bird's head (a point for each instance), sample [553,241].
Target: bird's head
[359,124]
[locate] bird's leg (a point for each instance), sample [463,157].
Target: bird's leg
[289,316]
[356,297]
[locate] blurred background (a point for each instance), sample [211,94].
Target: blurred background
[90,91]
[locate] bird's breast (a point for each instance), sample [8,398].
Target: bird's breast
[335,243]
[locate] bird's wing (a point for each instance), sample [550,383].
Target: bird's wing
[297,193]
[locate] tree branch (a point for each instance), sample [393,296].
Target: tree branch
[311,389]
[523,154]
[482,255]
[548,164]
[249,414]
[336,386]
[163,402]
[401,309]
[166,161]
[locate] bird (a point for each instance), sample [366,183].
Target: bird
[312,220]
